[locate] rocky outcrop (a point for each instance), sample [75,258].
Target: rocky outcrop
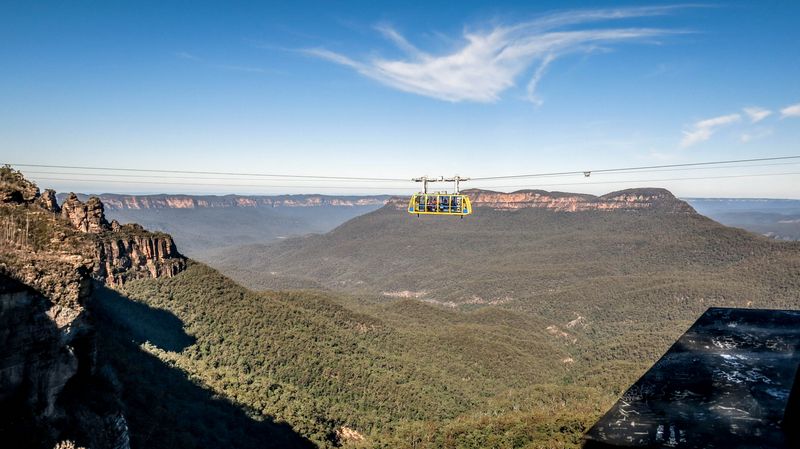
[123,252]
[132,253]
[121,202]
[49,202]
[49,263]
[624,200]
[86,217]
[14,188]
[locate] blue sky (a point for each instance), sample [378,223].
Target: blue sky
[398,90]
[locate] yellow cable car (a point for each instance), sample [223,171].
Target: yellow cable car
[439,203]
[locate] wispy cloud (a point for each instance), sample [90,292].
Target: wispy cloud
[537,76]
[704,129]
[791,111]
[754,135]
[487,63]
[756,114]
[186,55]
[243,68]
[401,42]
[227,67]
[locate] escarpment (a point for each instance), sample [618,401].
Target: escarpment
[623,200]
[124,202]
[124,252]
[51,256]
[132,253]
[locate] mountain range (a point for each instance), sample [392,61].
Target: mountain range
[571,292]
[775,218]
[517,326]
[203,225]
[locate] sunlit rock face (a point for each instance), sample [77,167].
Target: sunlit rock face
[123,252]
[48,201]
[86,217]
[624,200]
[132,253]
[125,202]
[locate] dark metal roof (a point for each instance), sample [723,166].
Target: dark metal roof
[726,383]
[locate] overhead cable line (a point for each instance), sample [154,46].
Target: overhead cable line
[192,172]
[589,183]
[197,178]
[206,177]
[324,178]
[224,185]
[729,167]
[632,169]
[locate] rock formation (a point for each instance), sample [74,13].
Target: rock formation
[14,188]
[48,201]
[123,252]
[50,256]
[624,200]
[132,253]
[86,217]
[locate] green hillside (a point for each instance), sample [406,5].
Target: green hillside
[526,257]
[305,359]
[517,329]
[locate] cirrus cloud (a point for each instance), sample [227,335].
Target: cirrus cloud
[791,111]
[756,114]
[489,62]
[704,129]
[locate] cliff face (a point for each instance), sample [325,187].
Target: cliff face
[37,357]
[85,217]
[47,360]
[624,200]
[50,256]
[121,202]
[123,252]
[132,253]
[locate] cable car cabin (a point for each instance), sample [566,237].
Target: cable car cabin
[439,204]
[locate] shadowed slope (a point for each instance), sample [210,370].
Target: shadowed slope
[164,408]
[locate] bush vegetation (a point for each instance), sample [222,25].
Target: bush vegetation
[531,324]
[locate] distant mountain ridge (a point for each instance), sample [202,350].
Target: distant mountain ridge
[114,201]
[591,289]
[630,199]
[391,253]
[569,202]
[774,218]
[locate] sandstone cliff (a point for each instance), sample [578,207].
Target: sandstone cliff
[623,200]
[122,202]
[123,252]
[50,256]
